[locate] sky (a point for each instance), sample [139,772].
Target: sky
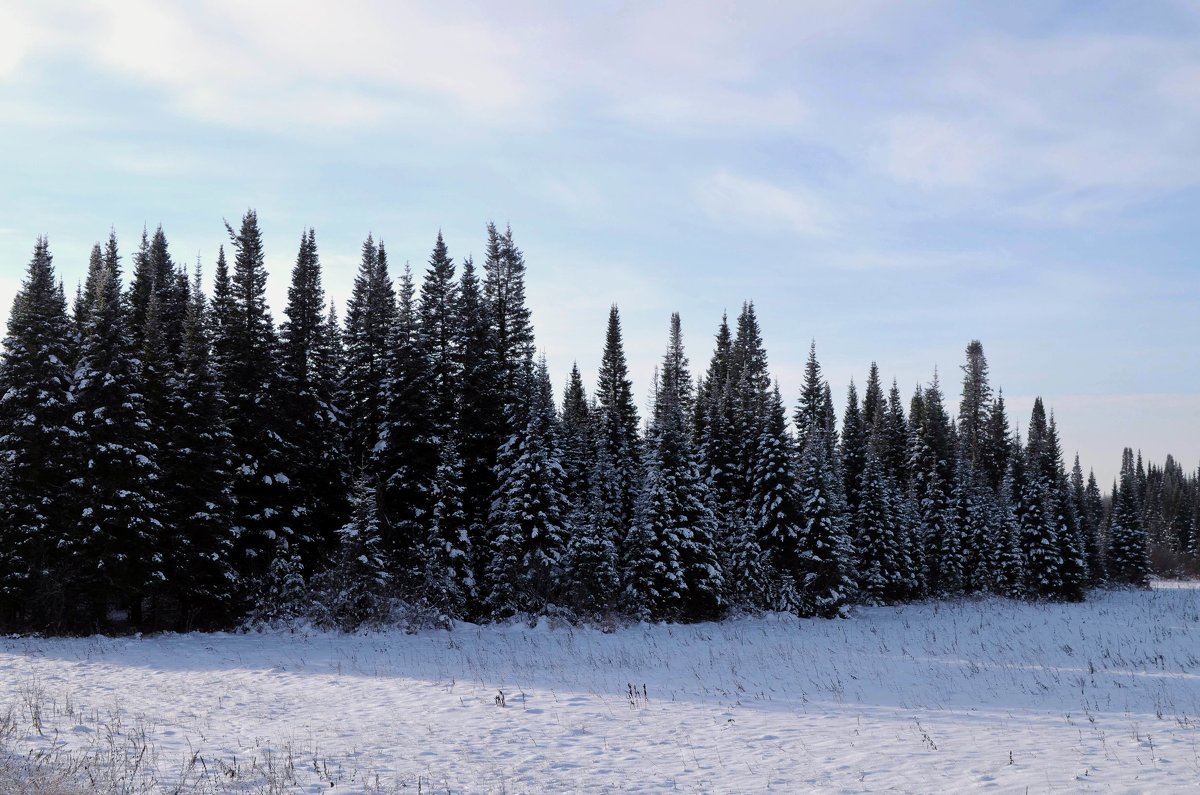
[891,180]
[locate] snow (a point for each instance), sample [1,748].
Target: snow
[1102,696]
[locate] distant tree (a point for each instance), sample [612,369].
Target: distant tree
[853,448]
[1128,548]
[975,407]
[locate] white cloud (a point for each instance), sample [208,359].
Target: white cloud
[935,152]
[762,205]
[1056,128]
[18,36]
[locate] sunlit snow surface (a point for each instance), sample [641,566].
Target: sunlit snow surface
[991,694]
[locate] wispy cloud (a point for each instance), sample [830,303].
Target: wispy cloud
[762,205]
[1057,128]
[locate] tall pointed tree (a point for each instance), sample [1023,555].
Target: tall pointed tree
[197,538]
[406,455]
[263,517]
[371,317]
[617,437]
[310,422]
[1128,547]
[671,553]
[530,513]
[35,445]
[116,529]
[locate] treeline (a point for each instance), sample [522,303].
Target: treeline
[174,460]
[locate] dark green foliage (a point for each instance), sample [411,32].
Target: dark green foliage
[263,517]
[672,565]
[197,539]
[370,325]
[481,419]
[617,485]
[35,447]
[310,421]
[405,459]
[115,540]
[530,512]
[1128,547]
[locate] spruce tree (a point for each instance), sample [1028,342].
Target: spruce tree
[35,447]
[357,589]
[671,554]
[263,517]
[883,565]
[1093,522]
[853,448]
[197,535]
[438,332]
[577,441]
[824,570]
[748,415]
[1060,512]
[310,421]
[1128,547]
[776,514]
[371,317]
[447,555]
[480,417]
[931,460]
[809,415]
[406,456]
[975,407]
[115,535]
[617,440]
[530,512]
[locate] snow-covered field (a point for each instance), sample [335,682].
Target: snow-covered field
[1103,696]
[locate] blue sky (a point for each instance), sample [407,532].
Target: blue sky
[889,179]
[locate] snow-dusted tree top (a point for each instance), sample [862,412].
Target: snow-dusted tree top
[174,459]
